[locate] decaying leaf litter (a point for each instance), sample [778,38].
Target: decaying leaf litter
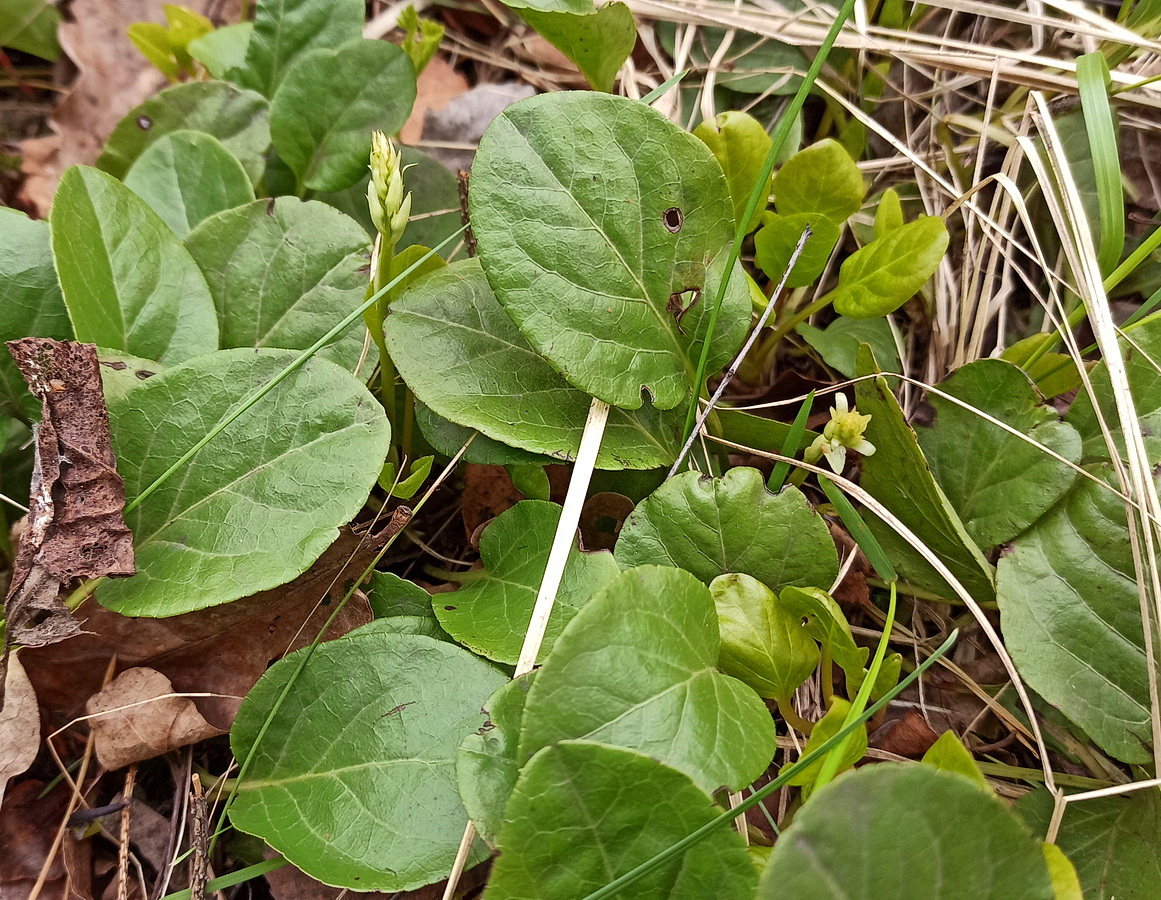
[707,633]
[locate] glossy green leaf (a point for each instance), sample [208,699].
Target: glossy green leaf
[31,304]
[486,765]
[283,272]
[463,357]
[532,482]
[222,49]
[898,477]
[763,644]
[636,667]
[880,277]
[406,487]
[854,749]
[128,282]
[605,256]
[354,780]
[824,621]
[152,41]
[907,832]
[1072,617]
[1112,841]
[239,119]
[328,104]
[821,178]
[490,614]
[838,343]
[997,483]
[778,238]
[259,504]
[390,595]
[950,755]
[30,27]
[714,526]
[740,144]
[286,30]
[187,176]
[583,813]
[1141,364]
[1053,373]
[597,41]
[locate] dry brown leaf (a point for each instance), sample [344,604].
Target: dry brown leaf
[222,650]
[909,735]
[19,724]
[435,88]
[28,828]
[601,520]
[138,717]
[40,165]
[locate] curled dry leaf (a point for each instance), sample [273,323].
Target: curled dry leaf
[138,717]
[19,724]
[76,527]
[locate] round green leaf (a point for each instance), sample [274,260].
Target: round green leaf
[187,176]
[128,282]
[604,229]
[1072,617]
[263,500]
[486,765]
[354,779]
[239,119]
[636,667]
[906,832]
[763,645]
[740,145]
[31,304]
[997,483]
[1112,841]
[490,614]
[778,237]
[838,343]
[390,595]
[285,30]
[283,272]
[821,178]
[463,357]
[714,526]
[880,277]
[583,814]
[330,101]
[598,40]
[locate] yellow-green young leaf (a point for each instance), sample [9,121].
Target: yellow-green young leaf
[778,237]
[597,41]
[637,667]
[615,295]
[889,214]
[490,614]
[154,43]
[887,678]
[405,488]
[128,282]
[949,754]
[583,813]
[1065,882]
[185,25]
[1053,373]
[222,49]
[880,277]
[740,145]
[825,622]
[422,39]
[820,179]
[354,778]
[907,832]
[763,645]
[824,729]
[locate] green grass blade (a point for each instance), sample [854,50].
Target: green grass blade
[664,87]
[232,878]
[787,772]
[791,445]
[1092,77]
[778,138]
[859,530]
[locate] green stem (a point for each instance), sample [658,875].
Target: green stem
[793,719]
[788,325]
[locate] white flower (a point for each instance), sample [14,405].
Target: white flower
[845,430]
